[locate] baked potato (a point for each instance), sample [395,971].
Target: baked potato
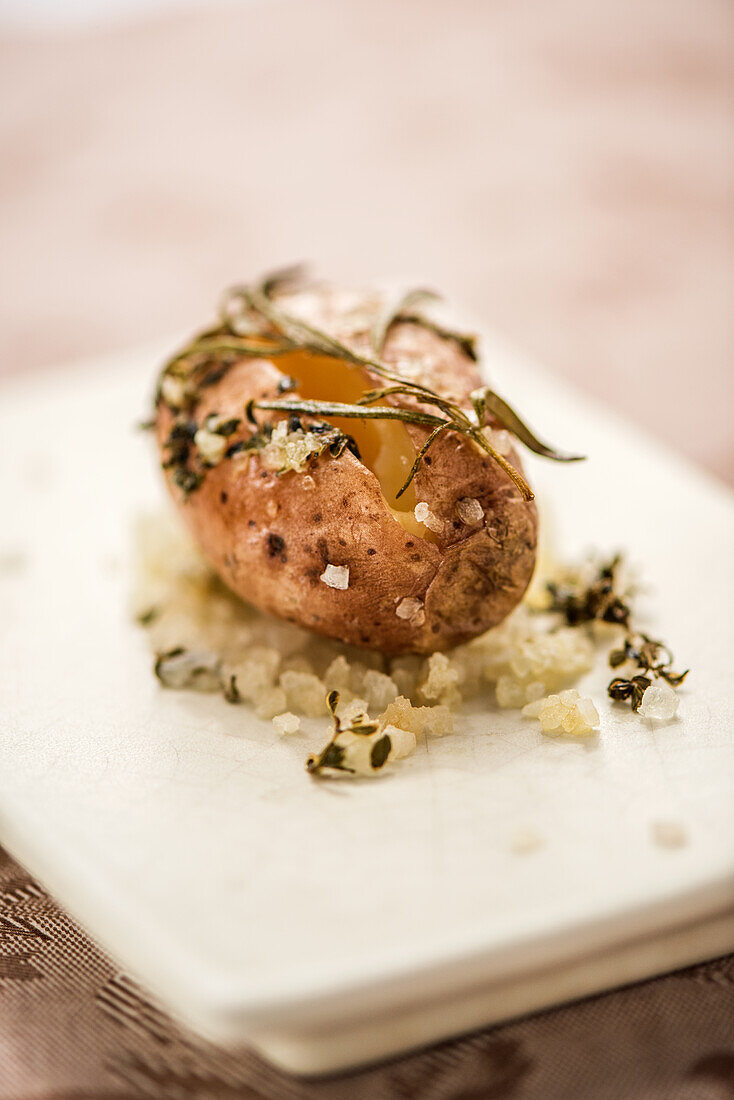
[298,497]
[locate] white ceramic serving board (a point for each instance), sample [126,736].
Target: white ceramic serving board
[333,923]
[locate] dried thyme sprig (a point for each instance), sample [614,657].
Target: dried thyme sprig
[600,600]
[254,325]
[335,756]
[653,659]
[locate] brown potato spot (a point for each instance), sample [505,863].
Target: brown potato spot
[275,544]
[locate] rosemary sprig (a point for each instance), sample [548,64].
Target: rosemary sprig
[258,302]
[467,341]
[314,407]
[393,310]
[404,309]
[254,325]
[487,401]
[456,420]
[459,423]
[212,347]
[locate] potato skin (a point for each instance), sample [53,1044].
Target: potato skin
[270,537]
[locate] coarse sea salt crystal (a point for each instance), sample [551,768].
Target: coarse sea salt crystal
[470,511]
[441,680]
[411,609]
[210,446]
[174,391]
[588,712]
[510,693]
[565,713]
[270,702]
[304,692]
[286,722]
[425,516]
[534,690]
[402,742]
[659,702]
[336,677]
[289,450]
[336,576]
[380,689]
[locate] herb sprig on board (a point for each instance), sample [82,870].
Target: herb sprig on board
[602,598]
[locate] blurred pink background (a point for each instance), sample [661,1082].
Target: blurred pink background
[565,168]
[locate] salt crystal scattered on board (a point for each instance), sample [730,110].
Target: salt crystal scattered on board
[568,713]
[286,723]
[659,702]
